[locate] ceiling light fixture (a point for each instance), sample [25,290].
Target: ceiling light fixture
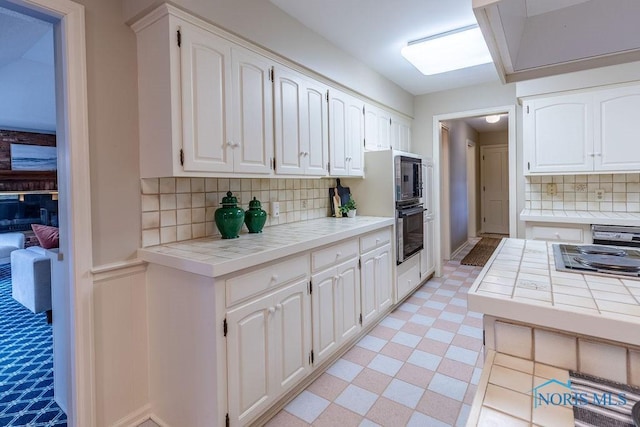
[448,51]
[493,119]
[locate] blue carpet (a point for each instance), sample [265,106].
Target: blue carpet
[26,364]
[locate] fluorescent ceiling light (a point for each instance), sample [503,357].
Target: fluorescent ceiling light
[493,119]
[448,51]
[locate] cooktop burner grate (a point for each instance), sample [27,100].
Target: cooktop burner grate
[609,262]
[597,259]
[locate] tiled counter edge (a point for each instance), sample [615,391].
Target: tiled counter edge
[580,217]
[214,257]
[608,326]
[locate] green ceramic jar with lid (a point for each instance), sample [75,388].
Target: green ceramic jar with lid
[229,217]
[255,217]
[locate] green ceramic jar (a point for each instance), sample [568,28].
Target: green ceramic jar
[255,217]
[229,217]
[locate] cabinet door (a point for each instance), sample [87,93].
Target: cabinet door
[428,259]
[375,283]
[355,137]
[405,135]
[368,287]
[292,335]
[288,122]
[371,132]
[252,139]
[338,132]
[348,293]
[384,130]
[558,134]
[249,350]
[315,131]
[324,300]
[384,281]
[616,126]
[205,82]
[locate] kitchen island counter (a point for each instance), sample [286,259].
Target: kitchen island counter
[214,256]
[520,283]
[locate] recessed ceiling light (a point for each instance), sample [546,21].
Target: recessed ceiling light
[448,51]
[493,119]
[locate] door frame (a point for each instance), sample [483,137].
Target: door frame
[76,249]
[472,188]
[510,110]
[482,196]
[442,200]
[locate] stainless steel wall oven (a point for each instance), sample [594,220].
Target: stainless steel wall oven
[409,231]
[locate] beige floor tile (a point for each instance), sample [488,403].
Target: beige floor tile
[508,401]
[440,407]
[553,416]
[455,369]
[415,375]
[328,386]
[385,410]
[336,415]
[512,362]
[550,372]
[511,379]
[492,418]
[371,380]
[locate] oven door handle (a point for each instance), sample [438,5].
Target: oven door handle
[407,212]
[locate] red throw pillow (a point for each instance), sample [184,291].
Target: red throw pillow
[48,237]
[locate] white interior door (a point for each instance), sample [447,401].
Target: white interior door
[494,169]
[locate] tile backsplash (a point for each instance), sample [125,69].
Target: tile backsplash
[175,209]
[620,192]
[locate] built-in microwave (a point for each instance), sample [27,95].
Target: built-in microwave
[408,177]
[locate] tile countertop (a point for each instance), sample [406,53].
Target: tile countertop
[520,282]
[581,217]
[215,257]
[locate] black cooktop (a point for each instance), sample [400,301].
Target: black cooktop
[597,258]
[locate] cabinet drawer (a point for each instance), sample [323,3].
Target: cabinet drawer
[334,254]
[375,240]
[240,288]
[552,233]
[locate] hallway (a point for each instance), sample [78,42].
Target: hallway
[419,367]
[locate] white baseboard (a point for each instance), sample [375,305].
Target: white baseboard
[135,418]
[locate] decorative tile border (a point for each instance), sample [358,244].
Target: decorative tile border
[176,209]
[578,192]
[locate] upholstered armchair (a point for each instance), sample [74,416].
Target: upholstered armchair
[10,242]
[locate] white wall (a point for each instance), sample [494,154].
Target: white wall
[263,23]
[459,132]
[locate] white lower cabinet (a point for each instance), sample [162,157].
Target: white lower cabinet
[228,348]
[375,283]
[408,277]
[558,232]
[336,307]
[268,348]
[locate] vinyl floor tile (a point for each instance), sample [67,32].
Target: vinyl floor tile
[419,367]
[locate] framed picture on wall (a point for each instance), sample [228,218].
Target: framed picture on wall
[26,157]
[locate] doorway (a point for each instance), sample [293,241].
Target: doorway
[75,258]
[468,175]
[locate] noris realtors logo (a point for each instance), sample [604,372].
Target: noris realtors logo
[544,396]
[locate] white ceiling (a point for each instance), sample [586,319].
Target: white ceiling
[24,37]
[374,31]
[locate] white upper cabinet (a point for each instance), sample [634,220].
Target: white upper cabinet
[346,134]
[400,133]
[301,124]
[205,103]
[557,134]
[377,128]
[617,130]
[582,132]
[252,132]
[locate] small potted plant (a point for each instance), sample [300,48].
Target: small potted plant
[349,208]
